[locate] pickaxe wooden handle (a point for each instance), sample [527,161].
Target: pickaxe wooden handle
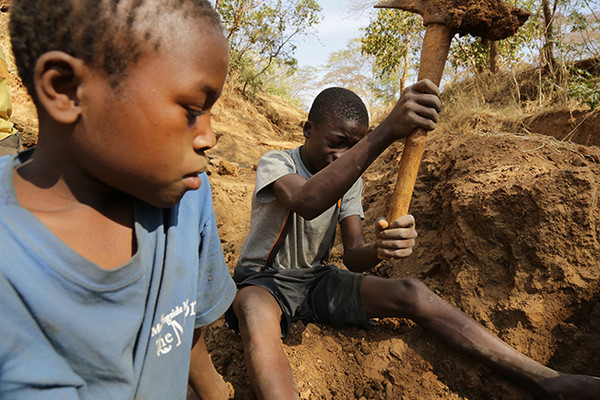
[492,19]
[433,58]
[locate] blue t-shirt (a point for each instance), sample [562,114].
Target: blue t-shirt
[71,330]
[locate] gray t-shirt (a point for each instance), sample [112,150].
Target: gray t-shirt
[307,242]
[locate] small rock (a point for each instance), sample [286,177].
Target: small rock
[227,168]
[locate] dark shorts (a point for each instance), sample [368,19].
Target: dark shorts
[324,294]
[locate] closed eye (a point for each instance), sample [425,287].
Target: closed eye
[336,145]
[193,114]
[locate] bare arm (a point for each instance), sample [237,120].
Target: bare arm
[418,107]
[358,255]
[394,240]
[204,378]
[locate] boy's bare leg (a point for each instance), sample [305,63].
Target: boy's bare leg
[410,298]
[259,318]
[204,378]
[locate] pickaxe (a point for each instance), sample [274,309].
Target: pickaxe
[490,19]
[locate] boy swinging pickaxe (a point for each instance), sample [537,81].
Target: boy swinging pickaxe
[489,19]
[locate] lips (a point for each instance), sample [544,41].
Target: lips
[200,171]
[203,167]
[193,181]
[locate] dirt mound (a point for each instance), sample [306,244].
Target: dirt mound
[510,232]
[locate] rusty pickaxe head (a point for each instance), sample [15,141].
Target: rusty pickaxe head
[489,19]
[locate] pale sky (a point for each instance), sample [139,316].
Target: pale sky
[340,24]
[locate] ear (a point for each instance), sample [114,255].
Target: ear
[57,78]
[307,128]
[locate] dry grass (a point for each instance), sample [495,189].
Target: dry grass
[490,103]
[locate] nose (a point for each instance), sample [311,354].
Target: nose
[337,154]
[205,136]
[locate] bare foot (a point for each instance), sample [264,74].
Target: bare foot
[572,387]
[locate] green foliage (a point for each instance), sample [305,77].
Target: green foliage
[578,36]
[583,88]
[261,34]
[389,37]
[346,68]
[392,40]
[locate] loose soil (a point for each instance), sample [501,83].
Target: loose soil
[509,220]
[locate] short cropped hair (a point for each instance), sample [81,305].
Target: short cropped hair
[106,34]
[337,103]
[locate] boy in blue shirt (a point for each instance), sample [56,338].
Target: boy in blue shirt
[283,274]
[111,260]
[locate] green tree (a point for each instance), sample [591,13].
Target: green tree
[354,70]
[262,33]
[393,39]
[348,69]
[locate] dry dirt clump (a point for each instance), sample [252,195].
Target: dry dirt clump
[489,19]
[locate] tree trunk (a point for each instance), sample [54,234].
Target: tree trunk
[494,56]
[548,49]
[406,67]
